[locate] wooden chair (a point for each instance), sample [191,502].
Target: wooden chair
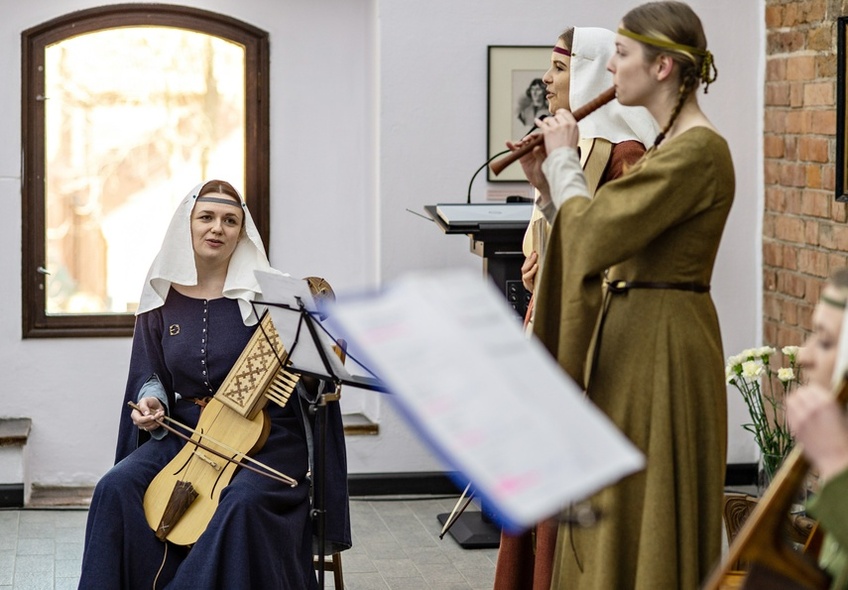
[799,529]
[333,563]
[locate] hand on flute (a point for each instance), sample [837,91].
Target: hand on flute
[531,162]
[606,96]
[560,130]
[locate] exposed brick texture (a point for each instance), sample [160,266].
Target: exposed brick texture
[804,233]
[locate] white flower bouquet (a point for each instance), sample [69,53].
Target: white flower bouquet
[751,373]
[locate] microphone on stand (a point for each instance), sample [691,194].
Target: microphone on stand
[486,163]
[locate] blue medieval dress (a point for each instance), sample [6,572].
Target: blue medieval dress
[261,534]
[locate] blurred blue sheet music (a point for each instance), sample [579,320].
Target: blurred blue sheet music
[493,404]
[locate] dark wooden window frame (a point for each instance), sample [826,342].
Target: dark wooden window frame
[841,107]
[36,322]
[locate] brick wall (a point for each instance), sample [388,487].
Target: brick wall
[805,236]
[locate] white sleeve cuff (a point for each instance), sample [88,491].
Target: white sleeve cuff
[565,176]
[547,209]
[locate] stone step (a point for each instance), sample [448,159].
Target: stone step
[60,496]
[14,472]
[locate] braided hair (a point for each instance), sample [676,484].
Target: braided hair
[688,83]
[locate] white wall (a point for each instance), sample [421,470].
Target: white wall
[433,133]
[376,107]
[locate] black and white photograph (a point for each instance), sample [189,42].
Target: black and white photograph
[516,98]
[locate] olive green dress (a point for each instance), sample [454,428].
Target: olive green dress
[525,561]
[655,365]
[831,510]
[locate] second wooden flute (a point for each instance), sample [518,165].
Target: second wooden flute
[498,165]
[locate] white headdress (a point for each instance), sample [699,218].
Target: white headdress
[591,50]
[840,367]
[175,263]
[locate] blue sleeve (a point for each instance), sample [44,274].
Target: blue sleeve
[147,359]
[154,388]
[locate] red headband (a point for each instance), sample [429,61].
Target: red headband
[558,49]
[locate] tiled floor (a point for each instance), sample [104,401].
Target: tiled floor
[396,547]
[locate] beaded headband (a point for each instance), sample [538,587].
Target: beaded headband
[708,73]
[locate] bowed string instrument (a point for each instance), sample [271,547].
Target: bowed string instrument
[181,500]
[761,542]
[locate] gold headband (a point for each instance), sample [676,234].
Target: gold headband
[708,73]
[837,303]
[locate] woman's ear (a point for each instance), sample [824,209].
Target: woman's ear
[663,67]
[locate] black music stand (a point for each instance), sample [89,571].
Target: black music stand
[498,243]
[309,348]
[473,529]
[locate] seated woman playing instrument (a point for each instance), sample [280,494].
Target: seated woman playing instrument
[195,318]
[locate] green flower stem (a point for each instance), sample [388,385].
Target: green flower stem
[765,408]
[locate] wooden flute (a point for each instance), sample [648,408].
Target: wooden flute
[498,165]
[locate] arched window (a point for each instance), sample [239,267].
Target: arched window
[124,109]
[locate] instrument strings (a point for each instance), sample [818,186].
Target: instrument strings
[283,383]
[248,458]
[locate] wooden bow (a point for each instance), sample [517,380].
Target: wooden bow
[265,470]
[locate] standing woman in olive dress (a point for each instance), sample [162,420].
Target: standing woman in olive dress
[647,347]
[611,139]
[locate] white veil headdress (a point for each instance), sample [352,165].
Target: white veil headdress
[840,367]
[591,49]
[175,263]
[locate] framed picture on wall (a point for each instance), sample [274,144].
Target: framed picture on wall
[841,123]
[516,96]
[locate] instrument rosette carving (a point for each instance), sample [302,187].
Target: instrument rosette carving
[257,375]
